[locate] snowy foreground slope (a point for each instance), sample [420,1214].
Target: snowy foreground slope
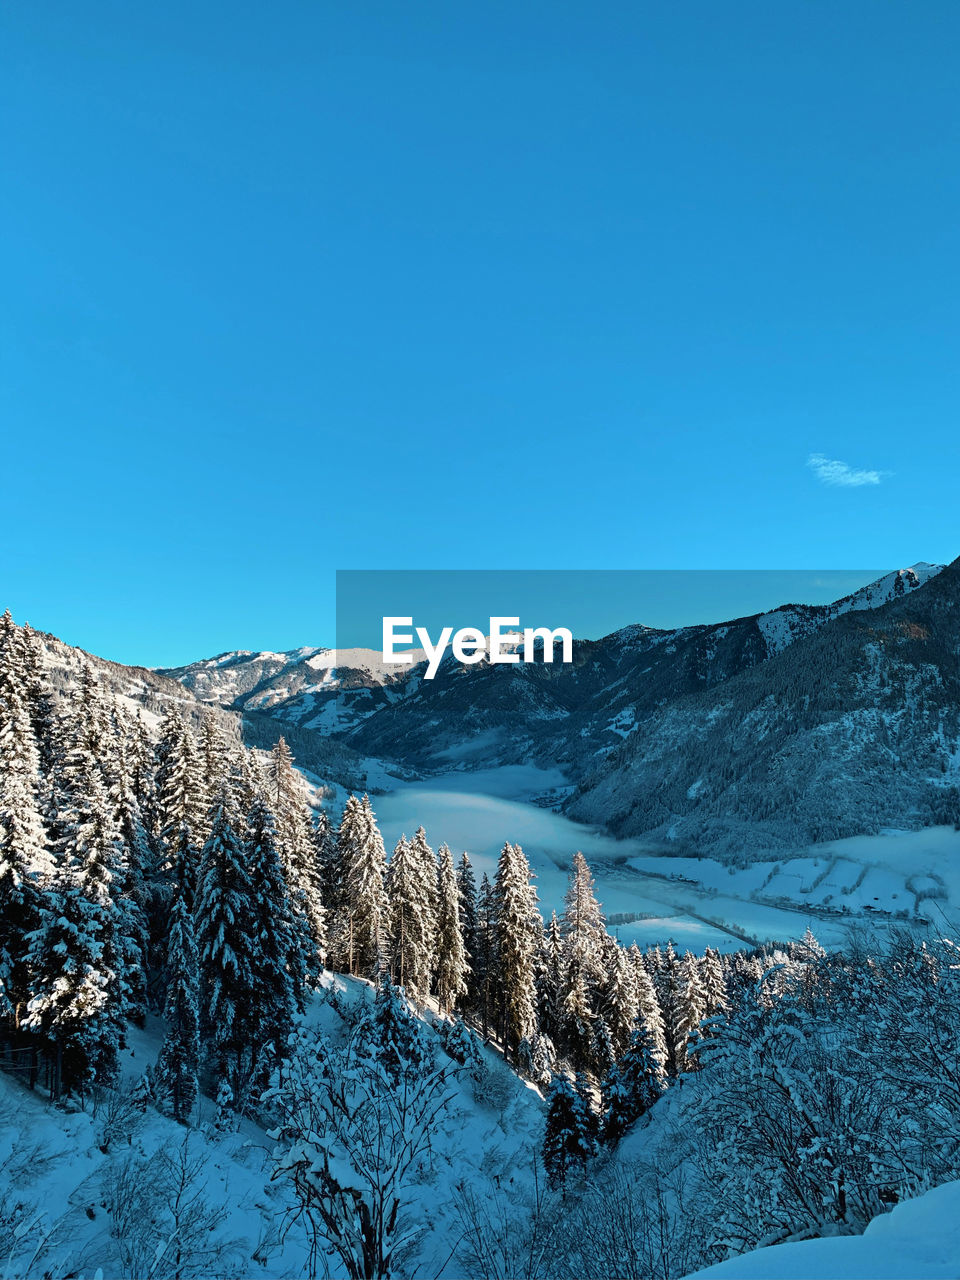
[919,1239]
[112,1191]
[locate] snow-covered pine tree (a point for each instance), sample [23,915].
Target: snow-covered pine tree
[280,974]
[363,861]
[632,1086]
[327,859]
[130,885]
[689,1010]
[467,886]
[664,967]
[583,933]
[301,845]
[518,933]
[81,993]
[396,1036]
[228,954]
[180,789]
[425,869]
[714,984]
[216,768]
[484,964]
[39,699]
[23,856]
[409,946]
[569,1140]
[649,1013]
[452,968]
[179,1059]
[550,980]
[619,1000]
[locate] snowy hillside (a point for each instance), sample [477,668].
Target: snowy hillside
[919,1240]
[118,1187]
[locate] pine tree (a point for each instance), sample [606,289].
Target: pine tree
[518,928]
[39,699]
[395,1035]
[583,933]
[215,769]
[425,865]
[550,984]
[632,1086]
[23,856]
[649,1013]
[689,1010]
[302,852]
[80,991]
[485,960]
[452,965]
[569,1140]
[363,926]
[279,976]
[467,885]
[619,1000]
[228,954]
[410,947]
[179,1059]
[181,817]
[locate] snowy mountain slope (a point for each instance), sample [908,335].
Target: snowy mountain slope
[918,1240]
[87,1189]
[849,730]
[568,715]
[138,688]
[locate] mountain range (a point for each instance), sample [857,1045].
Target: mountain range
[801,724]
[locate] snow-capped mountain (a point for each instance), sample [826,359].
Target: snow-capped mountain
[586,717]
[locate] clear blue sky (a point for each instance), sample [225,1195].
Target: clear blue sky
[302,286]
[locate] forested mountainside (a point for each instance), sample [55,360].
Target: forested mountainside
[187,947]
[851,729]
[567,714]
[768,732]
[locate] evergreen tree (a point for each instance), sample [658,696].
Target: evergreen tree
[396,1036]
[467,886]
[364,921]
[179,1059]
[23,856]
[80,993]
[550,984]
[425,870]
[485,960]
[583,933]
[632,1085]
[517,933]
[280,975]
[410,946]
[569,1140]
[619,1000]
[689,1010]
[181,818]
[301,846]
[649,1014]
[452,965]
[226,922]
[39,700]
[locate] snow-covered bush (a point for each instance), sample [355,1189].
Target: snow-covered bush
[356,1129]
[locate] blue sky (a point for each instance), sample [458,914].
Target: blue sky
[300,287]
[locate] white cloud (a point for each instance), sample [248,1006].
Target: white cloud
[833,472]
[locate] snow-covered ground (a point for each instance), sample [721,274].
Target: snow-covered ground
[57,1183]
[919,1238]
